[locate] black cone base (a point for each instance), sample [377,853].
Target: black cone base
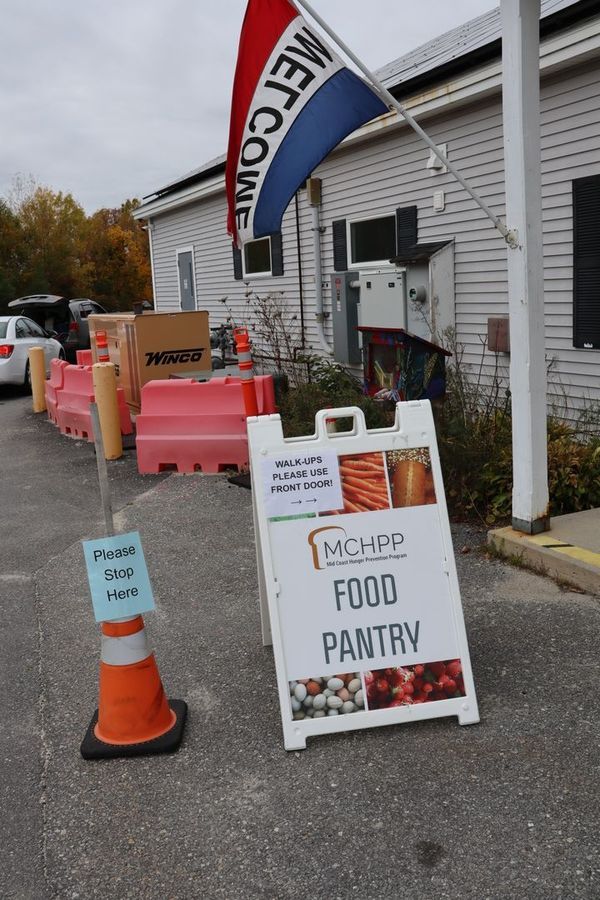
[93,748]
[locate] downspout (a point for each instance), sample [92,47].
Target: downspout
[313,192]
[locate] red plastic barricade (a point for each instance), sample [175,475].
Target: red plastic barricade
[73,400]
[52,385]
[84,357]
[188,425]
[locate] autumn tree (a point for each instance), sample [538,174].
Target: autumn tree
[116,258]
[48,245]
[51,226]
[11,251]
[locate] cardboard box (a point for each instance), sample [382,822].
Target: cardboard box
[153,346]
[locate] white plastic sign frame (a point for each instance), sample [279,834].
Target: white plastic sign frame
[386,593]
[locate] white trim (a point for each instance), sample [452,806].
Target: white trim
[250,276]
[178,251]
[562,50]
[190,194]
[371,263]
[149,228]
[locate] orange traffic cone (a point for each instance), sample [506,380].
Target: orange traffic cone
[244,356]
[134,716]
[102,347]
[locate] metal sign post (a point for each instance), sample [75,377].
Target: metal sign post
[102,471]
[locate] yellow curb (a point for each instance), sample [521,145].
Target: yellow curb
[549,543]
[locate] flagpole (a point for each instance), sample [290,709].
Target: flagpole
[509,236]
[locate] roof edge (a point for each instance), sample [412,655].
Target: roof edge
[548,25]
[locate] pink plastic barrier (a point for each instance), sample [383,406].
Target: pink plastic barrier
[54,384]
[84,357]
[188,425]
[73,400]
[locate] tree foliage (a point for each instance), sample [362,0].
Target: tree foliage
[49,245]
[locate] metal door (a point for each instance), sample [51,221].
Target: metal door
[185,264]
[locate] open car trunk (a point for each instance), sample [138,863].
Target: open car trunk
[50,312]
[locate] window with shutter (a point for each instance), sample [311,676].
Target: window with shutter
[340,250]
[586,262]
[261,257]
[238,269]
[374,240]
[406,228]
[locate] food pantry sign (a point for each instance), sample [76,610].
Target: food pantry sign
[358,582]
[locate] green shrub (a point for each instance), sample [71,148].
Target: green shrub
[474,437]
[330,385]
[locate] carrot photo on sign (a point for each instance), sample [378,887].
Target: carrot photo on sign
[364,482]
[411,478]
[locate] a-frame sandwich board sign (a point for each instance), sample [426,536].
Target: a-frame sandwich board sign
[358,583]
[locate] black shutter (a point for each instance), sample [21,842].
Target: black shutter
[238,271]
[406,228]
[586,262]
[276,254]
[340,250]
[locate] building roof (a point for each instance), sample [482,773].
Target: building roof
[462,47]
[476,41]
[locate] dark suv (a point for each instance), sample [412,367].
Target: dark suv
[67,319]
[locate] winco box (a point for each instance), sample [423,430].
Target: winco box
[152,346]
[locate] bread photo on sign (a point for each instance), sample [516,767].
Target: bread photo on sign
[411,478]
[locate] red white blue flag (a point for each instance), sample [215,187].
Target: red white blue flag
[293,101]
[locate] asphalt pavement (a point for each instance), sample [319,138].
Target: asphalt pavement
[508,808]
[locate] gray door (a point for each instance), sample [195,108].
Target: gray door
[186,280]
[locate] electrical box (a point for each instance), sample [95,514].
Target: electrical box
[498,334]
[344,318]
[313,191]
[418,307]
[383,298]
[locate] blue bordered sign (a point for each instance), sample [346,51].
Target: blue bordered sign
[118,576]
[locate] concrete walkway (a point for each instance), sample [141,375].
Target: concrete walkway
[569,552]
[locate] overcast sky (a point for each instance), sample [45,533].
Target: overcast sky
[110,99]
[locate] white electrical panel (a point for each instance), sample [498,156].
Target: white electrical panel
[382,298]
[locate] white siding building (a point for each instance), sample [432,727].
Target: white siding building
[445,242]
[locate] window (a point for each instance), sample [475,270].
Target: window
[372,240]
[261,257]
[21,329]
[35,329]
[586,262]
[257,257]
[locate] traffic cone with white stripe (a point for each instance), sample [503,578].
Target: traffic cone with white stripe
[102,347]
[244,356]
[134,716]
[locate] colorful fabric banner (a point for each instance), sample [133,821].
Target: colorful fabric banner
[293,101]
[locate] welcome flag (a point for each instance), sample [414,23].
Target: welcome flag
[293,101]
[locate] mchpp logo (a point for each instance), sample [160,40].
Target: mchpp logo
[173,357]
[330,545]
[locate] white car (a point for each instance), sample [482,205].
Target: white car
[17,336]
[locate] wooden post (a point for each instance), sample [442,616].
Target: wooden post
[521,108]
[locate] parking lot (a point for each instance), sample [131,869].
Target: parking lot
[507,808]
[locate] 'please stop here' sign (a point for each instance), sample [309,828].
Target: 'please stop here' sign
[118,577]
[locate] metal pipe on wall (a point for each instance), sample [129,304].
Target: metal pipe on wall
[316,230]
[300,285]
